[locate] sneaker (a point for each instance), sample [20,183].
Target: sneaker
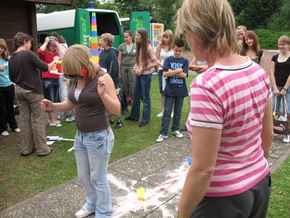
[62,117]
[286,139]
[56,124]
[83,213]
[160,114]
[16,130]
[5,133]
[70,118]
[161,138]
[177,134]
[111,121]
[119,124]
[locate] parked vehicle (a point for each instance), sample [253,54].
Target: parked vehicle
[75,25]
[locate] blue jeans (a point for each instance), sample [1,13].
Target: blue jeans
[280,99]
[93,151]
[168,104]
[51,89]
[142,85]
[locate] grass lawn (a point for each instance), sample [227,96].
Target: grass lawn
[24,177]
[279,205]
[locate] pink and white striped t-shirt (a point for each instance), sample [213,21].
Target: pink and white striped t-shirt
[233,99]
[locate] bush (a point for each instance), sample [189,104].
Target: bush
[268,39]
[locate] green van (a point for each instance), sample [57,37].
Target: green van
[75,25]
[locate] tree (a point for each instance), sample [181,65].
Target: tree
[280,19]
[165,12]
[254,13]
[47,8]
[162,11]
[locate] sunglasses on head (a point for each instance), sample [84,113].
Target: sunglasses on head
[76,77]
[80,76]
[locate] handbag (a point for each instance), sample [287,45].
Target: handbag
[281,119]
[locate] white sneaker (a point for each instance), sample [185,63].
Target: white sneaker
[5,133]
[83,213]
[56,124]
[161,138]
[286,139]
[160,114]
[16,130]
[177,134]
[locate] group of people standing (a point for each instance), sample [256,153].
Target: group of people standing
[279,68]
[230,119]
[53,82]
[54,85]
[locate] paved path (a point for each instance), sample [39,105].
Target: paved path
[160,169]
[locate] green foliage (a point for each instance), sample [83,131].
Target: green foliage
[254,13]
[280,19]
[126,6]
[268,38]
[43,8]
[165,12]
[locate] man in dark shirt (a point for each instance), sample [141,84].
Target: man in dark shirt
[24,66]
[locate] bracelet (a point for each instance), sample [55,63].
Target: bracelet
[285,88]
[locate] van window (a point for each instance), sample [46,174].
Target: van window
[106,23]
[41,38]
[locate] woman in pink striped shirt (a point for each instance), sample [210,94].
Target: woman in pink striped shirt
[230,119]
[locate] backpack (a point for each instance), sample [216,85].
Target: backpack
[122,99]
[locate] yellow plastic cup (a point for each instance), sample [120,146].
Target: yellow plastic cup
[141,193]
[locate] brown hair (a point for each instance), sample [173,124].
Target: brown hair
[60,38]
[256,46]
[20,38]
[130,33]
[142,46]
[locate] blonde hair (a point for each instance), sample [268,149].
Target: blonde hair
[284,39]
[76,57]
[5,54]
[242,27]
[107,37]
[170,35]
[212,21]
